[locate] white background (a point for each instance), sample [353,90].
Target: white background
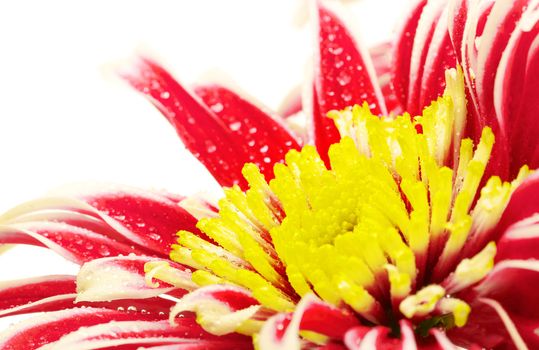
[65,118]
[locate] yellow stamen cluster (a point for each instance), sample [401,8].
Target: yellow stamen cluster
[382,228]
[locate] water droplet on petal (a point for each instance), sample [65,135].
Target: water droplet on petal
[165,94]
[235,126]
[253,130]
[251,143]
[343,78]
[218,107]
[264,149]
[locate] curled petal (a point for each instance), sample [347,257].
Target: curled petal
[344,76]
[282,330]
[221,309]
[123,278]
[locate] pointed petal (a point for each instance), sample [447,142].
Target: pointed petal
[73,243]
[263,137]
[121,215]
[49,327]
[202,132]
[124,278]
[403,51]
[282,330]
[344,76]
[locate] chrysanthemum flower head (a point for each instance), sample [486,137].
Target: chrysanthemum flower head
[370,229]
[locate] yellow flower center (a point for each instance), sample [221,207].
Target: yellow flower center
[389,231]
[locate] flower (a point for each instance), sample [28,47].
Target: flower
[386,232]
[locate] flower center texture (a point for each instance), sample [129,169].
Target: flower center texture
[393,228]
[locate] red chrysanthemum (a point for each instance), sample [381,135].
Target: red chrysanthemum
[369,230]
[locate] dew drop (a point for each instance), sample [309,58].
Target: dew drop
[191,120]
[165,95]
[218,107]
[235,126]
[253,130]
[251,143]
[336,51]
[264,149]
[343,78]
[267,160]
[104,250]
[347,97]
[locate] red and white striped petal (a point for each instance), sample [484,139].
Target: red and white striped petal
[440,57]
[129,216]
[124,278]
[37,294]
[264,137]
[73,243]
[140,333]
[311,314]
[403,51]
[344,76]
[517,71]
[514,283]
[220,309]
[423,37]
[520,240]
[522,205]
[366,338]
[522,332]
[47,328]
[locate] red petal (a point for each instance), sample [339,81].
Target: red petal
[514,283]
[26,295]
[440,57]
[37,331]
[518,71]
[141,333]
[520,241]
[523,204]
[264,138]
[121,217]
[403,51]
[73,243]
[282,330]
[344,76]
[423,37]
[522,332]
[148,219]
